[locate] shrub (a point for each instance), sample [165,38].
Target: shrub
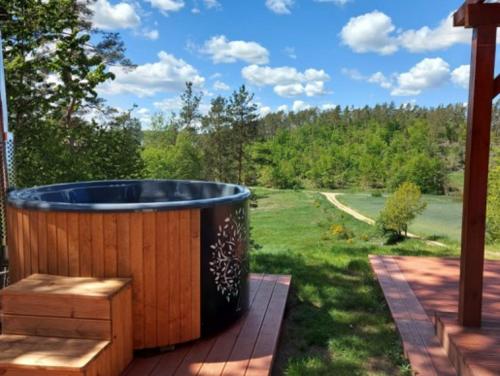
[400,209]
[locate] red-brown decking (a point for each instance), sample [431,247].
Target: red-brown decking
[417,290]
[246,348]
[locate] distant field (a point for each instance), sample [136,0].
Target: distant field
[456,180]
[442,217]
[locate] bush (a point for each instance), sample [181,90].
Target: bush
[400,209]
[341,232]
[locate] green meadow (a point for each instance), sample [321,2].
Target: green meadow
[337,321]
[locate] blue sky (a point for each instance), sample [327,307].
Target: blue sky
[291,53]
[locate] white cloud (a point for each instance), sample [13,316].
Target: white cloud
[222,50]
[262,109]
[168,74]
[289,90]
[280,6]
[166,6]
[282,108]
[111,17]
[336,2]
[428,73]
[287,81]
[174,105]
[151,34]
[370,32]
[460,76]
[169,104]
[290,52]
[352,73]
[375,32]
[427,39]
[328,106]
[380,79]
[300,106]
[144,116]
[211,4]
[219,85]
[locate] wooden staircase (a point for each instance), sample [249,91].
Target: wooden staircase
[56,326]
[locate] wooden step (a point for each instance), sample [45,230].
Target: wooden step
[56,296]
[472,351]
[27,355]
[73,308]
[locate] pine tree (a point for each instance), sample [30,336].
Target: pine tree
[244,120]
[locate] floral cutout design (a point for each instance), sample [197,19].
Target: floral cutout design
[228,262]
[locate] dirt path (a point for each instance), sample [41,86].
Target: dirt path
[332,197]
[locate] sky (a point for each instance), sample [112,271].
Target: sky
[293,54]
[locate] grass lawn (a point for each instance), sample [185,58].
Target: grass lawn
[337,321]
[441,219]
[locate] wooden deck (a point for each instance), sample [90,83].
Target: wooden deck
[422,294]
[246,348]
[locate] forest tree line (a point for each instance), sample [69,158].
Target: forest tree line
[376,147]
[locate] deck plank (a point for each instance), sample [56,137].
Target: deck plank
[415,327]
[232,351]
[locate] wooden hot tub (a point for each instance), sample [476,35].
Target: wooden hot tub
[184,243]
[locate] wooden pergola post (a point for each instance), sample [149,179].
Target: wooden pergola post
[484,19]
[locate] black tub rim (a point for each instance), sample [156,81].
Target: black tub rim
[25,198]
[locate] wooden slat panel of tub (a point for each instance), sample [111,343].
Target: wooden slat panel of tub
[150,316]
[195,274]
[62,244]
[73,245]
[33,234]
[26,242]
[42,242]
[162,280]
[173,275]
[96,223]
[136,262]
[110,245]
[85,244]
[123,245]
[159,250]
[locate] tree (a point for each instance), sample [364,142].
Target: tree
[55,60]
[243,114]
[190,110]
[493,218]
[400,209]
[216,142]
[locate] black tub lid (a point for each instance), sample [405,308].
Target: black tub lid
[128,195]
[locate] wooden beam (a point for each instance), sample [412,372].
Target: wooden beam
[476,174]
[477,14]
[459,16]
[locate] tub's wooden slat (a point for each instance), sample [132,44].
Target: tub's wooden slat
[110,245]
[136,262]
[174,275]
[33,235]
[150,317]
[97,245]
[12,244]
[62,243]
[42,242]
[52,242]
[185,280]
[85,249]
[123,245]
[73,245]
[162,280]
[26,243]
[195,274]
